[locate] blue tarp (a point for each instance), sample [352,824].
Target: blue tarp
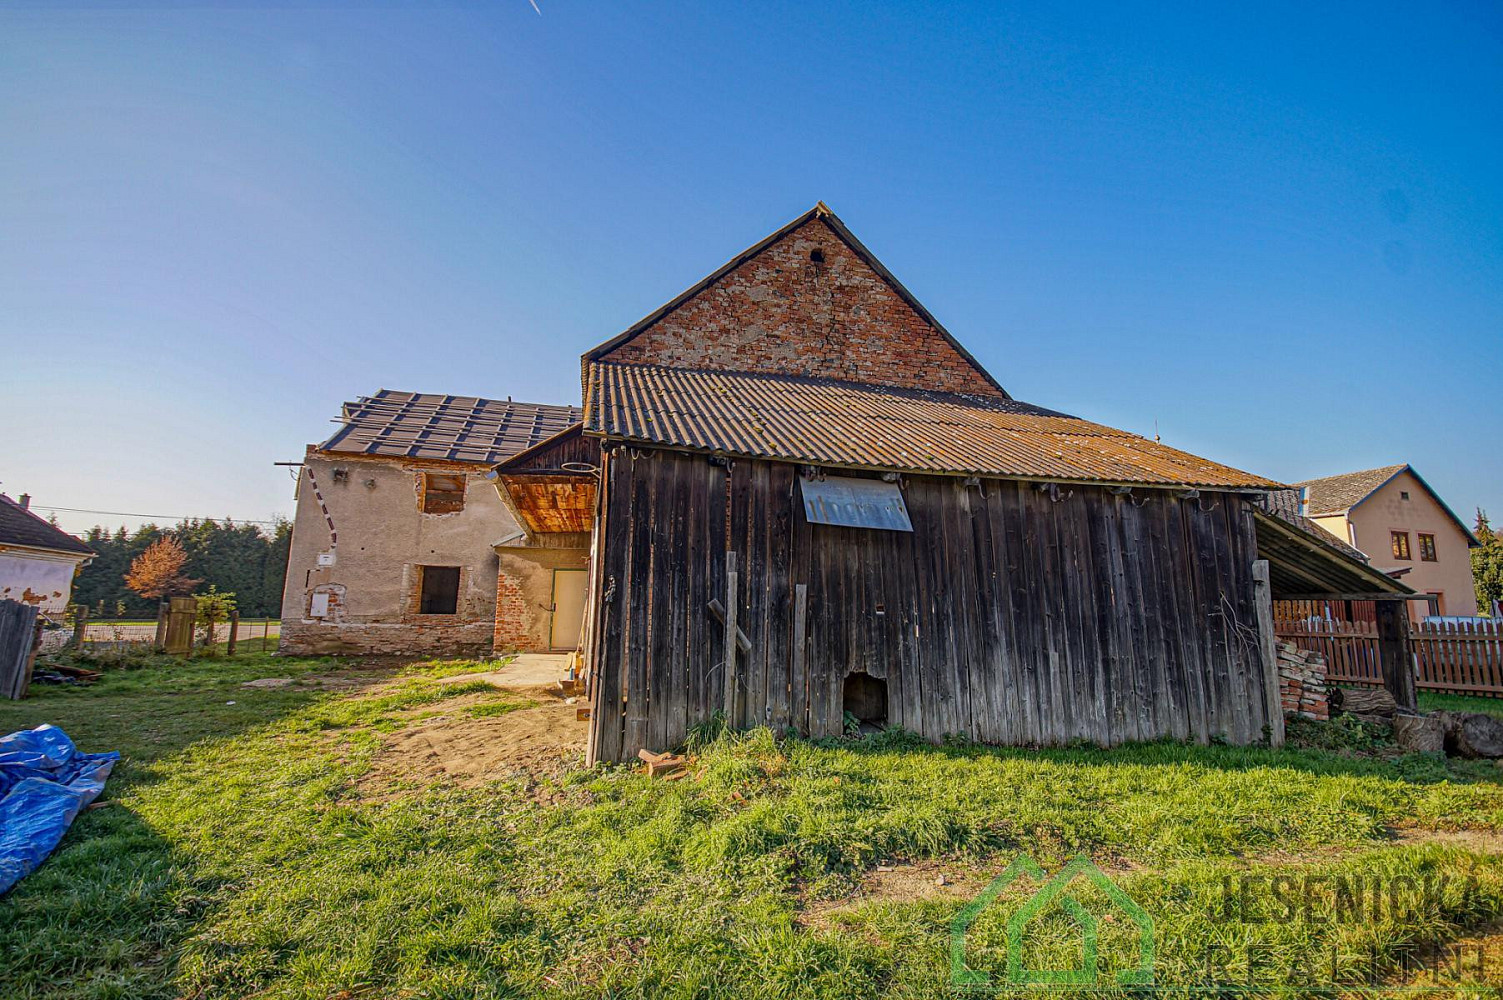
[44,783]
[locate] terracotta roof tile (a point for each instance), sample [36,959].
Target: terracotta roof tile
[1338,494]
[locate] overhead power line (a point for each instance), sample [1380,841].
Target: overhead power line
[164,517]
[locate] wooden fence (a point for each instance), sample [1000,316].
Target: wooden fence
[18,635]
[1459,657]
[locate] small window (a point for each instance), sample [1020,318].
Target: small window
[1427,547]
[1403,494]
[1400,544]
[442,493]
[439,594]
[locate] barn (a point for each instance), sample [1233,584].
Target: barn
[809,507]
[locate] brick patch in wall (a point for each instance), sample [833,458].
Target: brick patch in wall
[513,616]
[1302,682]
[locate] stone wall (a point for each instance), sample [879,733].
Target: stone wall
[1302,682]
[807,305]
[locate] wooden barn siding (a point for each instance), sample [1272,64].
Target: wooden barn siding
[1009,616]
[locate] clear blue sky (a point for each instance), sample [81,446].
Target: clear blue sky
[1277,232]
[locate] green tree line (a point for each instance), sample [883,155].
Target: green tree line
[235,558]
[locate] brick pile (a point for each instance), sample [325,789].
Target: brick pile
[1302,682]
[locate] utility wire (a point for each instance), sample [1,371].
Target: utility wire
[164,517]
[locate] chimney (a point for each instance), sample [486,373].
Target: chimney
[25,501]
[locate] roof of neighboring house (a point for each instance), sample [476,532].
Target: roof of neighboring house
[832,423]
[19,526]
[1339,494]
[819,211]
[1284,504]
[447,428]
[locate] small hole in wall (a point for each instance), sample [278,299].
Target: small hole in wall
[817,255]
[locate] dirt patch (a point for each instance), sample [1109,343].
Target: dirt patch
[903,883]
[1482,841]
[454,745]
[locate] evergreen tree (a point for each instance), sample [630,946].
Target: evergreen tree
[1487,564]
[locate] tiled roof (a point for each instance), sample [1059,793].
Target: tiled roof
[19,526]
[1284,504]
[1339,494]
[450,428]
[831,423]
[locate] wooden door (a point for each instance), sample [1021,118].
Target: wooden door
[568,607]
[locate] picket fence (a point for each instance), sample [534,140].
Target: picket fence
[1459,657]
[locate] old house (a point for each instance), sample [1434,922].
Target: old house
[811,508]
[399,537]
[37,560]
[1404,527]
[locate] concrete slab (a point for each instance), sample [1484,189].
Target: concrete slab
[526,670]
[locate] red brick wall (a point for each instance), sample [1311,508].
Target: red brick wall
[782,313]
[513,616]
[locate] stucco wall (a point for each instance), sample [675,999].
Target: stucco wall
[524,616]
[382,539]
[39,578]
[1386,510]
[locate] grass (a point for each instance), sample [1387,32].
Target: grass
[240,859]
[1432,701]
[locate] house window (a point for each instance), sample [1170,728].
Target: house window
[1427,547]
[443,493]
[1400,544]
[438,590]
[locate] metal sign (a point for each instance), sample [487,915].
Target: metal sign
[855,503]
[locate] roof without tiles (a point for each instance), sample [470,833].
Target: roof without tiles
[825,422]
[445,428]
[19,526]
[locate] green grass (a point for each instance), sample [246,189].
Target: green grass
[240,859]
[1431,701]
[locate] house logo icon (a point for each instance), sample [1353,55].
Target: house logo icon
[1056,888]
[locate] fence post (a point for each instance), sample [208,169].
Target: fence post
[161,642]
[229,649]
[1268,647]
[1394,657]
[80,626]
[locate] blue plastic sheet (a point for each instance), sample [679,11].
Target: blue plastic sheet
[44,783]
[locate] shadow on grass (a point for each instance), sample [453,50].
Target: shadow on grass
[112,880]
[1366,758]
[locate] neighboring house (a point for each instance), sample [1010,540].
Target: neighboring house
[37,560]
[1405,529]
[812,508]
[394,543]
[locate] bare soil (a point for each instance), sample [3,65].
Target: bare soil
[454,746]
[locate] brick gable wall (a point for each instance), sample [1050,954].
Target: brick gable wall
[782,312]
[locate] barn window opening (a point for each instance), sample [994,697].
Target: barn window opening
[438,590]
[817,255]
[442,493]
[865,699]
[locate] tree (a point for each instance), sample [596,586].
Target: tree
[1487,564]
[158,572]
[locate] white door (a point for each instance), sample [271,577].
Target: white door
[568,607]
